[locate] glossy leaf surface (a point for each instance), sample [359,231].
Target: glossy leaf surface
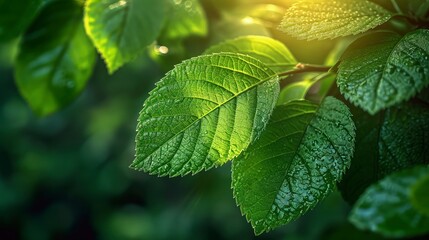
[204,112]
[387,207]
[387,142]
[122,29]
[55,72]
[296,162]
[326,19]
[383,69]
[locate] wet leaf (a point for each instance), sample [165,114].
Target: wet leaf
[382,69]
[11,25]
[296,162]
[186,18]
[204,112]
[326,19]
[55,58]
[122,29]
[387,207]
[384,144]
[271,52]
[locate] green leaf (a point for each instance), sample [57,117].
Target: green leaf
[186,18]
[332,60]
[298,90]
[386,207]
[295,163]
[204,112]
[269,14]
[230,27]
[295,91]
[16,16]
[383,69]
[267,50]
[122,29]
[326,19]
[55,58]
[384,144]
[418,8]
[420,196]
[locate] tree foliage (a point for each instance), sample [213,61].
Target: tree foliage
[293,130]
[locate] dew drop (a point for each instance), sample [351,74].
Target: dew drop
[391,69]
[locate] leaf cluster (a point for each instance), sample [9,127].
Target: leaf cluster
[294,131]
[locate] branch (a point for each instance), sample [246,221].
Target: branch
[303,68]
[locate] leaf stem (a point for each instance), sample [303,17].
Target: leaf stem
[303,68]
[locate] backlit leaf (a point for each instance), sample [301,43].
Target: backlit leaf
[186,18]
[298,90]
[230,27]
[296,162]
[55,58]
[387,207]
[327,19]
[122,29]
[204,112]
[267,50]
[382,69]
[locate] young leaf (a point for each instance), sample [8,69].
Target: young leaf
[295,163]
[295,91]
[298,90]
[55,58]
[332,60]
[267,50]
[387,207]
[204,112]
[186,18]
[121,29]
[382,69]
[384,144]
[16,16]
[326,19]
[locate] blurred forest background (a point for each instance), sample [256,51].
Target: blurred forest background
[66,176]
